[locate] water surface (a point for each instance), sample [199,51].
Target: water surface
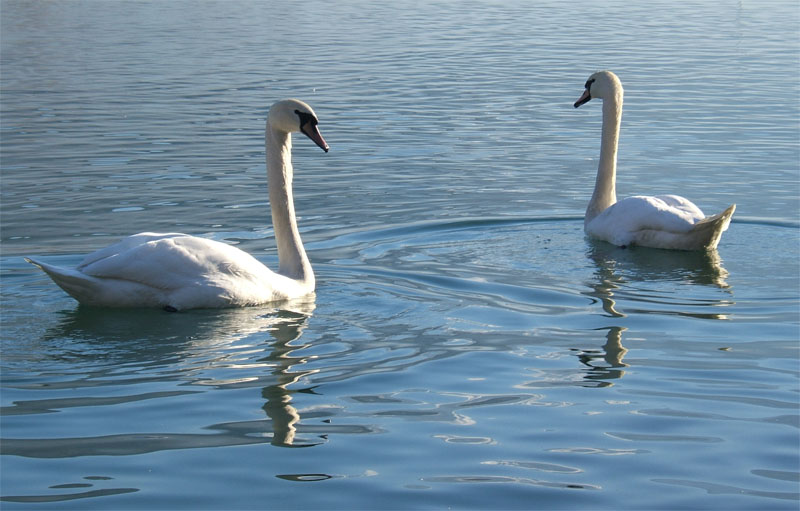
[466,347]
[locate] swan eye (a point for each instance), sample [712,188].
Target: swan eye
[306,118]
[589,83]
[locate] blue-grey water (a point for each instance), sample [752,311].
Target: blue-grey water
[467,347]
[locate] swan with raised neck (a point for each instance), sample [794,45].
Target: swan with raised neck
[176,271]
[661,221]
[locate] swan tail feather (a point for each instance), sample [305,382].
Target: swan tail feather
[709,230]
[703,235]
[78,285]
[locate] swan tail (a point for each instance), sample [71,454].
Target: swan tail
[78,285]
[704,235]
[105,292]
[708,231]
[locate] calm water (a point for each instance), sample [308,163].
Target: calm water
[467,347]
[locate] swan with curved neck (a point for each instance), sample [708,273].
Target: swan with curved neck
[662,221]
[176,271]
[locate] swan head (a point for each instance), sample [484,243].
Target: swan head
[603,85]
[291,115]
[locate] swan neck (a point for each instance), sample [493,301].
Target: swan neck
[605,193]
[292,259]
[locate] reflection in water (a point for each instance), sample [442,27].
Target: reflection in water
[612,354]
[278,406]
[599,366]
[144,335]
[141,346]
[698,267]
[617,267]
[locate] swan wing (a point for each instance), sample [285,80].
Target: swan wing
[620,223]
[679,206]
[172,261]
[124,245]
[174,270]
[187,271]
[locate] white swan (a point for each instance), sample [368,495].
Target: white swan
[662,221]
[176,271]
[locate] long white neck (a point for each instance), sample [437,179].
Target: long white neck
[292,259]
[605,193]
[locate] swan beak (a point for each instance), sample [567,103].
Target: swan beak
[585,97]
[311,131]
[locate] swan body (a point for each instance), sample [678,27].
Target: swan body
[176,271]
[662,221]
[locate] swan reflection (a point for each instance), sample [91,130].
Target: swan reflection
[223,349]
[618,268]
[278,406]
[599,366]
[606,364]
[620,277]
